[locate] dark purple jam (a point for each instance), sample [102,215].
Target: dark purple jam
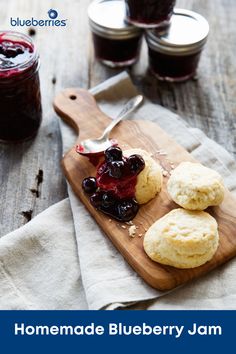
[117,52]
[114,187]
[149,13]
[173,67]
[20,100]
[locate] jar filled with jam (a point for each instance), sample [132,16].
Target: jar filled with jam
[174,53]
[116,43]
[20,99]
[149,13]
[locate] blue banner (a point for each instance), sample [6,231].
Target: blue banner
[117,331]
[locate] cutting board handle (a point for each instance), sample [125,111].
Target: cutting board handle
[78,108]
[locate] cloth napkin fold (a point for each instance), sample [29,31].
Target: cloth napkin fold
[57,261]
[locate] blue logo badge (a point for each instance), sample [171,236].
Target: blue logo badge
[52,14]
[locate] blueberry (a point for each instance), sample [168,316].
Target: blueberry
[116,169]
[96,199]
[127,209]
[11,53]
[108,199]
[89,185]
[113,153]
[136,164]
[19,51]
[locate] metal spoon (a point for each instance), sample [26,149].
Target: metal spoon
[99,145]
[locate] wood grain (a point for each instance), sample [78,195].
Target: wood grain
[67,60]
[83,114]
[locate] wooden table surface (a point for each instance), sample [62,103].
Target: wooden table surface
[30,175]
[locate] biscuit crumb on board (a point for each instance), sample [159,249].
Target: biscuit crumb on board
[165,173]
[132,231]
[161,152]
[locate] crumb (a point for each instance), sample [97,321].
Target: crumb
[123,226]
[172,166]
[129,223]
[140,235]
[110,220]
[161,152]
[165,173]
[132,231]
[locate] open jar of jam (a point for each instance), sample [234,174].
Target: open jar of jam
[20,100]
[149,13]
[116,43]
[175,52]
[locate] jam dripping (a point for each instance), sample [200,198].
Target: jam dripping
[13,53]
[20,98]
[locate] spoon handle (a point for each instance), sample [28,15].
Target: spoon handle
[78,108]
[130,106]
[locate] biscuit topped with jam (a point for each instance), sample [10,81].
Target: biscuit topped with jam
[117,190]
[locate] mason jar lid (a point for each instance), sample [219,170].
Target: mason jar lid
[186,34]
[107,18]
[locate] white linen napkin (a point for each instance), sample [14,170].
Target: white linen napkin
[55,262]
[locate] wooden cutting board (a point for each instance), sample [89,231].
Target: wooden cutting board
[78,108]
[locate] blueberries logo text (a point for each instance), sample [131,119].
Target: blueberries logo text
[53,21]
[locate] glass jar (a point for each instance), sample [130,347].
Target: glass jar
[116,43]
[174,53]
[20,99]
[149,13]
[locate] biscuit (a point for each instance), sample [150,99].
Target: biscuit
[182,239]
[149,180]
[195,187]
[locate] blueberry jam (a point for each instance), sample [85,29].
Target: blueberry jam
[116,43]
[149,13]
[171,67]
[117,52]
[174,53]
[113,189]
[20,99]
